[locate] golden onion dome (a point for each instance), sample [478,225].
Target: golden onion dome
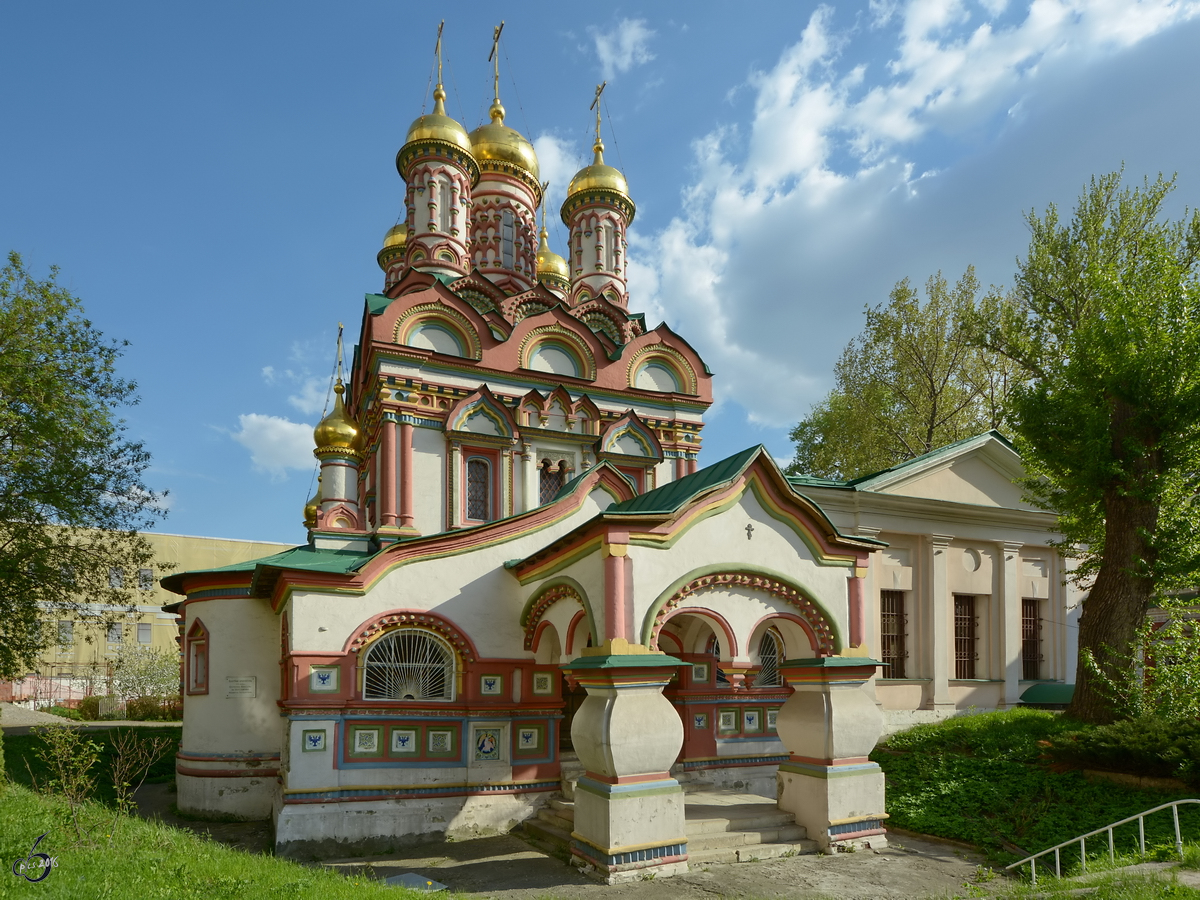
[437,126]
[599,176]
[311,508]
[338,430]
[549,262]
[498,143]
[393,245]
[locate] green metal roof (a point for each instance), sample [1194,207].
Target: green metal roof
[1048,693]
[377,303]
[674,495]
[864,482]
[303,557]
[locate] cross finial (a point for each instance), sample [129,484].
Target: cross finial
[494,57]
[339,353]
[749,531]
[437,51]
[596,106]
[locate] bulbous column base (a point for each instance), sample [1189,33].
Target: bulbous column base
[830,726]
[629,820]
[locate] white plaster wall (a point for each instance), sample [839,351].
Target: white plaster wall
[429,480]
[243,640]
[472,589]
[720,540]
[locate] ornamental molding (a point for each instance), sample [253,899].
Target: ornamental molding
[543,333]
[677,361]
[449,633]
[415,315]
[809,612]
[544,601]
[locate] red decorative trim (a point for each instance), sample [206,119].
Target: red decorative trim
[730,639]
[788,617]
[398,619]
[570,647]
[822,631]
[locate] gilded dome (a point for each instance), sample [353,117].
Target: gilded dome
[497,142]
[311,508]
[393,245]
[548,262]
[599,176]
[337,431]
[437,126]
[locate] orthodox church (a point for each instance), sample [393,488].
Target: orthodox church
[516,575]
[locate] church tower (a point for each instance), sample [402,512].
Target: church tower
[438,167]
[598,211]
[506,197]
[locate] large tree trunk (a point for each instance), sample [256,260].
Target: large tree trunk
[1120,598]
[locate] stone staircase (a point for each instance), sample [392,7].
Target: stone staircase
[722,827]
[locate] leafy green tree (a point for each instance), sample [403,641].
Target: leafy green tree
[71,492]
[1104,320]
[912,381]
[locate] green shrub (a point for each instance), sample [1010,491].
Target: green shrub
[1144,746]
[1016,734]
[154,709]
[89,708]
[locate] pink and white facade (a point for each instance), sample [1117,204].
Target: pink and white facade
[514,554]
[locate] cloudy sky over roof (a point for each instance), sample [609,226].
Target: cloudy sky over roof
[214,181]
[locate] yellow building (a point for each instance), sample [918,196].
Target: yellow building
[80,662]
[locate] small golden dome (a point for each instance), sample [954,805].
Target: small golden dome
[311,508]
[549,262]
[437,126]
[599,176]
[497,142]
[337,431]
[393,246]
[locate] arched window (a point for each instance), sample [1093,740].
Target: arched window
[770,657]
[552,478]
[408,664]
[436,337]
[507,238]
[443,206]
[479,489]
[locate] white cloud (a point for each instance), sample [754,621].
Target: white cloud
[623,47]
[831,163]
[558,161]
[276,444]
[312,396]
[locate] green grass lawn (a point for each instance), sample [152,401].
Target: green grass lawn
[982,779]
[130,858]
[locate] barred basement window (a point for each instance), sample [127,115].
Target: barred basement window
[1031,640]
[479,489]
[892,622]
[770,657]
[408,664]
[964,636]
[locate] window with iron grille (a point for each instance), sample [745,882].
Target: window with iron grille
[770,657]
[892,625]
[1031,639]
[964,636]
[552,481]
[408,664]
[479,489]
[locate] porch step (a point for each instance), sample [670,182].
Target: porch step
[721,828]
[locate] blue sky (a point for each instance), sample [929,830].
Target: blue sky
[214,181]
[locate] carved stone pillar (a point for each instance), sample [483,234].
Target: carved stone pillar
[1010,622]
[830,726]
[629,821]
[941,648]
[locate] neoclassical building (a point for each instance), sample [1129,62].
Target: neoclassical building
[514,559]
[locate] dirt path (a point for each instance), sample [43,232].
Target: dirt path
[507,868]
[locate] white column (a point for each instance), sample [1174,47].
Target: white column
[452,481]
[1008,595]
[531,478]
[939,633]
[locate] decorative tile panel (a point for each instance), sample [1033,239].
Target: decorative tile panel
[491,685]
[405,741]
[486,742]
[324,679]
[543,682]
[313,740]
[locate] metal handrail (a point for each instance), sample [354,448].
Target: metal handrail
[1082,839]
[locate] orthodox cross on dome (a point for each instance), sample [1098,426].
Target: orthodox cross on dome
[339,354]
[596,106]
[437,51]
[494,58]
[545,193]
